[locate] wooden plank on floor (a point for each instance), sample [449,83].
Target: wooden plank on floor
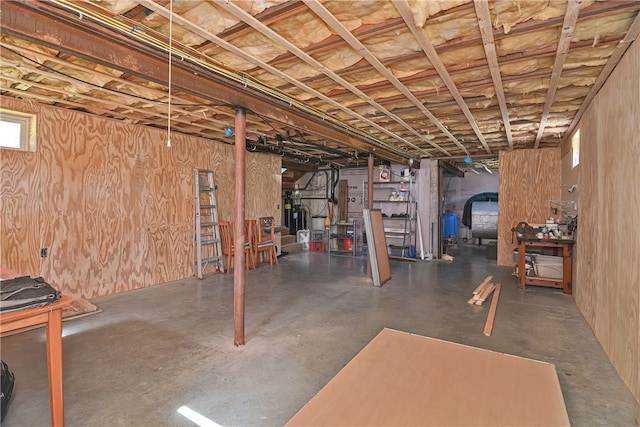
[482,297]
[482,285]
[488,326]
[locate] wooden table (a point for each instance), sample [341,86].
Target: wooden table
[51,316]
[564,248]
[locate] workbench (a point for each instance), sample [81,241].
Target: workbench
[563,248]
[51,316]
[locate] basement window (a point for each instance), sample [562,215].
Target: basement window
[575,149]
[17,130]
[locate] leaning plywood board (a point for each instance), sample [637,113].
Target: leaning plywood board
[400,379]
[380,268]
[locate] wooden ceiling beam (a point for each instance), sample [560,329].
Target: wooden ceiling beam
[283,42]
[430,52]
[77,37]
[362,33]
[568,26]
[477,84]
[219,122]
[267,16]
[618,52]
[486,30]
[355,43]
[267,31]
[596,10]
[466,66]
[451,168]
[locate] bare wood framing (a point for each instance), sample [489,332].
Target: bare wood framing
[570,19]
[431,53]
[127,55]
[484,21]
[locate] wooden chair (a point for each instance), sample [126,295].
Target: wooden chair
[266,240]
[226,235]
[251,237]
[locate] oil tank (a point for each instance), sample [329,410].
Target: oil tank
[484,220]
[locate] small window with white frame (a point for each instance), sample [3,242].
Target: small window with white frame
[575,149]
[17,130]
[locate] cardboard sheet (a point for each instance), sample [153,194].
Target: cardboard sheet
[400,379]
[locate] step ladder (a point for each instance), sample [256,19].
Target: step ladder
[207,231]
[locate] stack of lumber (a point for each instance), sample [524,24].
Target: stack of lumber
[482,292]
[480,295]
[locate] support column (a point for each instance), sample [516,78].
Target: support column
[239,228]
[369,206]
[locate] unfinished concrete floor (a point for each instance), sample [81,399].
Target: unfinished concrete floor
[152,351]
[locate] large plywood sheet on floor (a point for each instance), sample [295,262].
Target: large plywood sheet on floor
[607,268]
[112,203]
[528,180]
[401,379]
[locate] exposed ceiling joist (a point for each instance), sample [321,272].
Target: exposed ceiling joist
[75,38]
[451,168]
[223,43]
[568,26]
[327,17]
[301,54]
[430,51]
[486,29]
[632,34]
[417,79]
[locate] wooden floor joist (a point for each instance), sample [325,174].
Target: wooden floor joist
[488,326]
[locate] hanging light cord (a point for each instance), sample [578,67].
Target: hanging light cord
[169,86]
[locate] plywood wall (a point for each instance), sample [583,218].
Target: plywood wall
[607,282]
[528,180]
[112,203]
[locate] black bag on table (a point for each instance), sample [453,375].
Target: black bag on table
[26,292]
[7,379]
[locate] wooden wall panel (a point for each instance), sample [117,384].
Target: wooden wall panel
[264,172]
[90,204]
[112,202]
[584,289]
[263,169]
[528,180]
[608,274]
[19,211]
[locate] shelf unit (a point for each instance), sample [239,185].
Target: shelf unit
[396,200]
[343,235]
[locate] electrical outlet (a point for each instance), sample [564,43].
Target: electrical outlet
[44,253]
